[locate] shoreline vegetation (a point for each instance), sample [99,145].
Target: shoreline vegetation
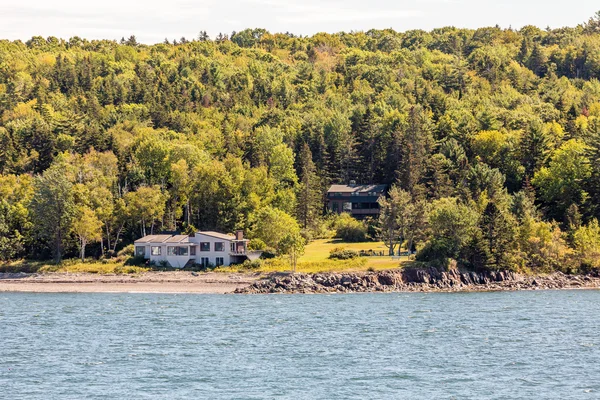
[487,140]
[397,280]
[316,272]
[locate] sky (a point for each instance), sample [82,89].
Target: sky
[152,21]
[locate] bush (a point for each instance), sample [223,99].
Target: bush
[340,253]
[349,229]
[434,250]
[127,251]
[324,229]
[256,244]
[268,254]
[251,264]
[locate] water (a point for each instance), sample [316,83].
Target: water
[520,345]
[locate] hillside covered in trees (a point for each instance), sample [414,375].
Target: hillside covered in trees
[491,138]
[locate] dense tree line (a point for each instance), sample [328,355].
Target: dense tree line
[491,138]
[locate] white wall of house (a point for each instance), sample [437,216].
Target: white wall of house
[175,260]
[211,254]
[195,250]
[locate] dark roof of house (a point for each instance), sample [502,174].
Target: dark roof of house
[357,188]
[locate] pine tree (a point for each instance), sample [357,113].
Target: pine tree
[52,208]
[497,233]
[535,146]
[537,61]
[309,195]
[476,253]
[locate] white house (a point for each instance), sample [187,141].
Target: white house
[203,248]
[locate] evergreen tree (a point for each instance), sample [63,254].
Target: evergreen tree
[497,232]
[309,194]
[53,207]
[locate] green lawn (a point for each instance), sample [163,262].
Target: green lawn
[318,251]
[73,265]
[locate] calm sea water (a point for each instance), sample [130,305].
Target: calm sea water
[523,345]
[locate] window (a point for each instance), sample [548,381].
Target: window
[205,246]
[204,262]
[177,251]
[219,261]
[140,251]
[347,206]
[232,247]
[155,250]
[219,246]
[192,250]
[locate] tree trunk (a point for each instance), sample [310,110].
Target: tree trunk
[58,239]
[117,238]
[392,244]
[107,237]
[82,253]
[187,212]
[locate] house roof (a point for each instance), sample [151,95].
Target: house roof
[183,238]
[356,188]
[163,239]
[177,239]
[217,235]
[153,239]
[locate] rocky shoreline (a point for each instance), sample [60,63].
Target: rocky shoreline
[416,280]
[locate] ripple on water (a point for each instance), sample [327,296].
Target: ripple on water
[482,345]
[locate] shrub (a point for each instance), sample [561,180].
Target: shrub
[349,229]
[267,254]
[324,229]
[587,246]
[127,251]
[138,261]
[251,264]
[340,253]
[256,244]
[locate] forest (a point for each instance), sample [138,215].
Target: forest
[489,139]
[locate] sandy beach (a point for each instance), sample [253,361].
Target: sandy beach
[149,282]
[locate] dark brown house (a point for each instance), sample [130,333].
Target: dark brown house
[358,200]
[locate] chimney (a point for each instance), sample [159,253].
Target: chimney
[239,235]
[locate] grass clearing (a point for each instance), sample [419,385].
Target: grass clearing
[318,251]
[316,259]
[72,266]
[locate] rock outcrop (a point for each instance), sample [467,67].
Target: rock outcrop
[416,280]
